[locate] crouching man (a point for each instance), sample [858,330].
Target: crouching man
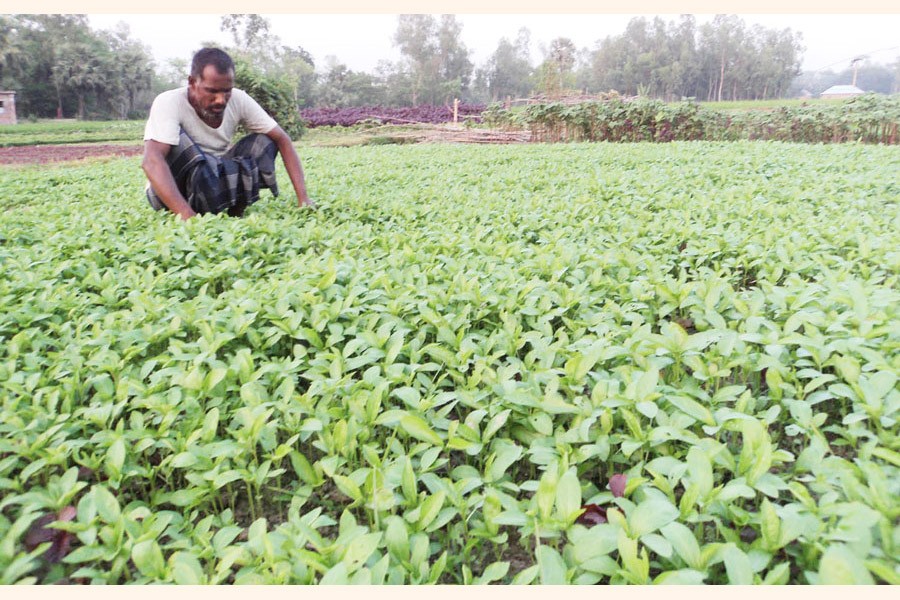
[187,159]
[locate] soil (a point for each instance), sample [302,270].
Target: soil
[29,155]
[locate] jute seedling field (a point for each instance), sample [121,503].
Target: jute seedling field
[580,363]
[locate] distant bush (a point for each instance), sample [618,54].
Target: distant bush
[867,119]
[870,119]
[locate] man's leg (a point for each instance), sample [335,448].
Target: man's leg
[196,176]
[250,165]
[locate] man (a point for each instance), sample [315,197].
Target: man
[189,166]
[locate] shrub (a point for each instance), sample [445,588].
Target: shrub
[273,95]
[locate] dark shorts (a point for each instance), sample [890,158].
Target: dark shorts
[213,184]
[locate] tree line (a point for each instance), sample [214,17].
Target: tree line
[60,67]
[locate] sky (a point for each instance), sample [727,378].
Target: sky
[361,40]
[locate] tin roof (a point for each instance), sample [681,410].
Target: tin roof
[842,89]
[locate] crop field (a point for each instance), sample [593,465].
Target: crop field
[70,131]
[578,363]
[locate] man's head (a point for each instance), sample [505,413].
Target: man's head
[210,82]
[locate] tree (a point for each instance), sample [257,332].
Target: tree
[721,40]
[415,36]
[454,66]
[508,71]
[296,67]
[130,69]
[721,59]
[80,67]
[556,73]
[250,33]
[435,58]
[341,87]
[59,66]
[257,47]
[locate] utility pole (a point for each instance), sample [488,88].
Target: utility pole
[854,63]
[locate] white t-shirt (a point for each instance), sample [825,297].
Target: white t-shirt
[171,112]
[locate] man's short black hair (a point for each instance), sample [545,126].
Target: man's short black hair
[211,56]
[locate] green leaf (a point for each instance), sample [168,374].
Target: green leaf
[692,408]
[646,385]
[737,565]
[183,460]
[430,509]
[257,536]
[552,567]
[568,495]
[546,492]
[588,544]
[223,479]
[336,575]
[437,568]
[107,505]
[658,544]
[186,569]
[840,566]
[186,497]
[302,468]
[699,469]
[526,576]
[778,575]
[410,396]
[408,482]
[494,425]
[650,515]
[348,487]
[115,457]
[493,572]
[148,558]
[685,544]
[419,429]
[360,549]
[505,455]
[638,567]
[648,409]
[680,577]
[770,526]
[396,537]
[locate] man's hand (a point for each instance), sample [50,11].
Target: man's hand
[160,177]
[291,165]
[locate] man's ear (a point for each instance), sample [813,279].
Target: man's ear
[191,80]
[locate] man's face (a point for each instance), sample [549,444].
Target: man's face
[210,93]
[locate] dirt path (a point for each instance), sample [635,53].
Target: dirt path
[29,155]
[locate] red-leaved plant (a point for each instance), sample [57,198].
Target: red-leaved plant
[61,540]
[594,514]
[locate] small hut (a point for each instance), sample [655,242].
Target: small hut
[841,91]
[7,108]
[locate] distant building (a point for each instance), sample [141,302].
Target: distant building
[7,108]
[841,91]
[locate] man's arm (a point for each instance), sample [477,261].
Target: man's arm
[291,164]
[160,177]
